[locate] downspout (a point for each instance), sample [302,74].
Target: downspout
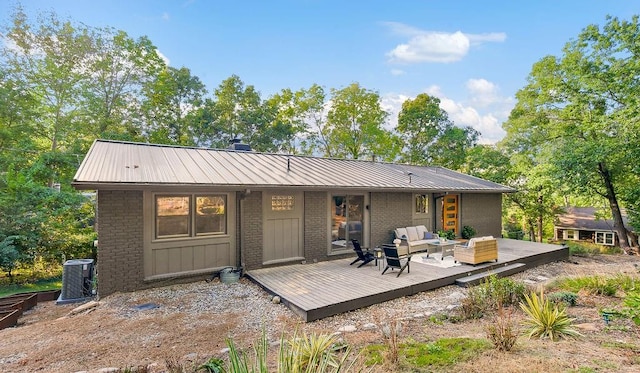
[239,224]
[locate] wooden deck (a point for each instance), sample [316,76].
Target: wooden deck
[318,290]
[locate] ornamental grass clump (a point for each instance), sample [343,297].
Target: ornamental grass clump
[545,319]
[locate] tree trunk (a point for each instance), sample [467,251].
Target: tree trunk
[618,224]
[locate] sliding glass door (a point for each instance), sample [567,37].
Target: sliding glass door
[347,220]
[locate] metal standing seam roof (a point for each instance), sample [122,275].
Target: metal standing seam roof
[116,163]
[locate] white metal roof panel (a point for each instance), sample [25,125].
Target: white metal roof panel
[112,163]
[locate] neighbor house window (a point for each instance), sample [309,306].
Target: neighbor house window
[570,235]
[422,204]
[190,215]
[282,203]
[604,238]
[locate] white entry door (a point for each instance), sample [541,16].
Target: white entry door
[283,239]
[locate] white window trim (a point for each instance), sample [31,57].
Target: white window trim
[601,238]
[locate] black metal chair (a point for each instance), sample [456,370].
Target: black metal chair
[366,257]
[395,261]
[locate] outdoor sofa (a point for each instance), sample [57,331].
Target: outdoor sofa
[477,250]
[415,239]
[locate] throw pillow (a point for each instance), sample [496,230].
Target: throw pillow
[428,235]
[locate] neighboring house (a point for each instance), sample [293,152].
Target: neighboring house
[166,212]
[581,224]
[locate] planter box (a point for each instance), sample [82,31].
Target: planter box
[12,306]
[30,299]
[8,318]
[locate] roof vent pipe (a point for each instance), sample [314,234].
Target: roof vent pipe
[288,164]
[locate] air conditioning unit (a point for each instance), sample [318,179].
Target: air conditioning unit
[77,281]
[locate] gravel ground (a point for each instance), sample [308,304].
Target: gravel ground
[190,322]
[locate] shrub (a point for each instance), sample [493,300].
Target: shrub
[467,232]
[545,319]
[213,365]
[632,307]
[567,298]
[598,285]
[449,234]
[493,293]
[502,332]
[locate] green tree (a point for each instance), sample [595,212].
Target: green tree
[120,67]
[235,112]
[48,59]
[429,136]
[45,223]
[17,112]
[355,122]
[171,106]
[583,108]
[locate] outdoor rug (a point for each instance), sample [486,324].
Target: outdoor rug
[435,260]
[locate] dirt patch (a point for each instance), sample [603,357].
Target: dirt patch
[191,322]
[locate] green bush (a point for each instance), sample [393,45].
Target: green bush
[567,298]
[598,285]
[449,234]
[632,307]
[545,319]
[467,232]
[491,294]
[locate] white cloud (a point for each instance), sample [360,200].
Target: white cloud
[165,16]
[432,46]
[483,92]
[392,104]
[396,72]
[164,58]
[485,111]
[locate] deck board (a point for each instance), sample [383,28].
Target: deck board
[323,289]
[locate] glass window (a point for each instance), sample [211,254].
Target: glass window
[604,238]
[175,215]
[570,234]
[282,203]
[211,214]
[172,216]
[422,204]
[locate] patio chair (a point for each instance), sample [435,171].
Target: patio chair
[366,257]
[394,260]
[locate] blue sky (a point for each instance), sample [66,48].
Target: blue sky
[473,55]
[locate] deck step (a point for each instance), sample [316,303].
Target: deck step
[498,271]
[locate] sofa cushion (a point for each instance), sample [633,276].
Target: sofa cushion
[472,243]
[421,231]
[402,233]
[413,234]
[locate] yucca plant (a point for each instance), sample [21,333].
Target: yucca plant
[312,353]
[545,319]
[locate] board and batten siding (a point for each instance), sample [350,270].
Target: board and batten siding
[171,257]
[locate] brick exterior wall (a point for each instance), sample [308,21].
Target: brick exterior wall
[482,212]
[388,212]
[315,226]
[251,230]
[120,265]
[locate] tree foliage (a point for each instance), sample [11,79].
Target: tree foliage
[429,137]
[581,111]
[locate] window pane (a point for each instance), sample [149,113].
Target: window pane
[422,204]
[282,203]
[172,216]
[338,222]
[211,214]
